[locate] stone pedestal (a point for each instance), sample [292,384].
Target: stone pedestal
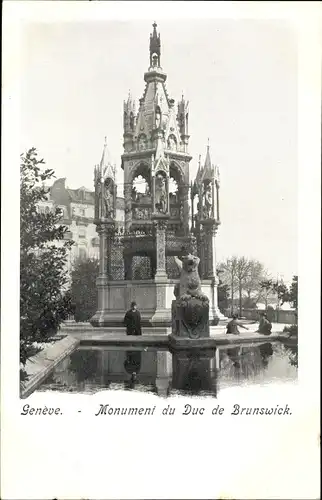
[102,294]
[162,315]
[208,246]
[190,327]
[192,318]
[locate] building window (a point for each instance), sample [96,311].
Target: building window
[68,235]
[82,212]
[82,253]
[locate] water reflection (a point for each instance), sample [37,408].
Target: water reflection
[163,373]
[256,363]
[132,365]
[194,372]
[266,351]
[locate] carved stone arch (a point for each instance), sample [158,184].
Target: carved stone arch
[176,172]
[163,165]
[140,167]
[140,172]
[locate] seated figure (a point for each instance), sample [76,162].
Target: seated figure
[265,326]
[233,324]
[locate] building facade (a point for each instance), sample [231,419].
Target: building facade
[78,208]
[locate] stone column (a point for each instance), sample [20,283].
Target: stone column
[160,229]
[185,204]
[217,202]
[211,247]
[214,201]
[212,272]
[162,315]
[102,279]
[108,253]
[192,211]
[199,249]
[128,205]
[103,251]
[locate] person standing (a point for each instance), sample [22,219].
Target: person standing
[232,326]
[132,320]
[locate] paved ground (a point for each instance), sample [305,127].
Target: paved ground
[39,366]
[85,330]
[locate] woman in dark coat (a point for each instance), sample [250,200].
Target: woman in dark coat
[132,321]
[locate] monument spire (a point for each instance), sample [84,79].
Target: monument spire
[208,169]
[155,47]
[106,167]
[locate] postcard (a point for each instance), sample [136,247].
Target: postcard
[161,250]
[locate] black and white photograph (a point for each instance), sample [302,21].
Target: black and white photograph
[159,216]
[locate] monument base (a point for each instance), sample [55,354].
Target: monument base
[153,298]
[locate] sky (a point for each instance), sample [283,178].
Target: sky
[240,77]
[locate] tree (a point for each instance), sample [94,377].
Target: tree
[243,275]
[243,268]
[256,273]
[43,257]
[83,288]
[228,270]
[267,286]
[285,294]
[293,293]
[281,291]
[223,296]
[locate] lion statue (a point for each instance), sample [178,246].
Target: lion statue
[190,283]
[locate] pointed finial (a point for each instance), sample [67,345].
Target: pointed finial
[199,160]
[208,144]
[155,47]
[105,141]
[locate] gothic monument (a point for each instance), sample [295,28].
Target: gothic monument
[167,218]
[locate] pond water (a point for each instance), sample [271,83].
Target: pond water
[156,370]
